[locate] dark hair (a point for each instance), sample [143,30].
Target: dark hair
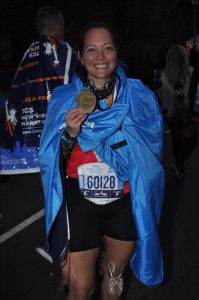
[96,25]
[47,18]
[177,66]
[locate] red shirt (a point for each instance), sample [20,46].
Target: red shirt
[78,157]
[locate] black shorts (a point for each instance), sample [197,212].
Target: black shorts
[89,222]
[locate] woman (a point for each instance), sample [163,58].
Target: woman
[176,106]
[115,183]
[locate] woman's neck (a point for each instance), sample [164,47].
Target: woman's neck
[104,89]
[100,83]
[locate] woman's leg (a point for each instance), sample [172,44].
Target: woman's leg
[117,254]
[85,233]
[80,271]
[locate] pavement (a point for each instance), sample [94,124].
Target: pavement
[24,274]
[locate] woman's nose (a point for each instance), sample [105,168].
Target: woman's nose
[100,54]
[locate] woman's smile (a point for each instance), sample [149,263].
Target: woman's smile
[101,66]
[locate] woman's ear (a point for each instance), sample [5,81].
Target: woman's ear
[80,57]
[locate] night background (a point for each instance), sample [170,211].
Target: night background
[145,29]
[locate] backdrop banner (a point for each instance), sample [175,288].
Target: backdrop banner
[45,65]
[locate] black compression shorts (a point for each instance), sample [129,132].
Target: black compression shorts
[89,222]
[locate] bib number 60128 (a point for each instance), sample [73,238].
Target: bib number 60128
[101,182]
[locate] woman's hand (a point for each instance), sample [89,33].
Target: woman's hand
[74,120]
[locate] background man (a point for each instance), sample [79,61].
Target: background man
[47,63]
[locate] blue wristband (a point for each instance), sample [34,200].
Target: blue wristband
[67,138]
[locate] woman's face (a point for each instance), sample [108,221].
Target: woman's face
[99,55]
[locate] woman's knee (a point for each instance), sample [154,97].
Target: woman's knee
[113,277]
[81,289]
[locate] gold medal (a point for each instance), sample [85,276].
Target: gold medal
[86,101]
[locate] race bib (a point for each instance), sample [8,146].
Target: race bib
[99,183]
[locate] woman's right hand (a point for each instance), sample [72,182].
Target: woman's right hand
[74,119]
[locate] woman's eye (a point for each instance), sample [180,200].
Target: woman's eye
[108,48]
[90,50]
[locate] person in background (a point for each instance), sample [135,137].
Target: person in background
[194,85]
[47,63]
[110,133]
[173,93]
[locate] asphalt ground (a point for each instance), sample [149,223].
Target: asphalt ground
[24,274]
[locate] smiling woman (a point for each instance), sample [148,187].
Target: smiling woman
[114,185]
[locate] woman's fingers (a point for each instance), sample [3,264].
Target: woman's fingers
[75,112]
[74,119]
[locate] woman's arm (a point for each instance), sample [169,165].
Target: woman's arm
[74,119]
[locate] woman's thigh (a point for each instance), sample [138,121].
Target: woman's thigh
[119,223]
[84,222]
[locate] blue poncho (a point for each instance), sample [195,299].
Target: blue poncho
[128,137]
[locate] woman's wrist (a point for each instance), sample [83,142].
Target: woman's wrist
[71,133]
[68,137]
[67,144]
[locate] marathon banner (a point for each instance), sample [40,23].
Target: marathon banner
[45,65]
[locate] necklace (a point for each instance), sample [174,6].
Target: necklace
[105,91]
